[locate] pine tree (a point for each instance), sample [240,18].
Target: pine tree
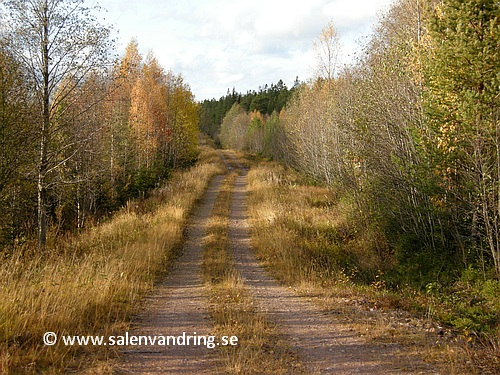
[463,108]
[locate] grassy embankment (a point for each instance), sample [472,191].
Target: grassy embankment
[89,284]
[260,348]
[319,244]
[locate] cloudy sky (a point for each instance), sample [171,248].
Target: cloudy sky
[221,44]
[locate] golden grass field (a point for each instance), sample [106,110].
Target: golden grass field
[90,284]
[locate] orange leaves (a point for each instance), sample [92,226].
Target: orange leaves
[257,116]
[152,118]
[148,110]
[163,116]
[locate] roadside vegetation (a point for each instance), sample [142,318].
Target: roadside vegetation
[92,283]
[260,349]
[80,140]
[319,243]
[399,160]
[83,136]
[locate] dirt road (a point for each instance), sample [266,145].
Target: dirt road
[178,306]
[324,344]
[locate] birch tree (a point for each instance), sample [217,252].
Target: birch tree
[327,49]
[60,43]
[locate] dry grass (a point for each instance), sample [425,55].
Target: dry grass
[317,243]
[298,232]
[90,284]
[260,348]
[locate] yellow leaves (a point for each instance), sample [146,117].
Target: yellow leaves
[327,49]
[142,120]
[131,62]
[163,115]
[439,11]
[447,140]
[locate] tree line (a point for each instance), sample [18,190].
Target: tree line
[267,100]
[409,133]
[81,131]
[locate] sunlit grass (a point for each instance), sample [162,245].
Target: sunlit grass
[319,244]
[90,284]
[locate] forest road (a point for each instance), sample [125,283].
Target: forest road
[177,307]
[325,345]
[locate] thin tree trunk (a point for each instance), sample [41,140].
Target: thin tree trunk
[44,136]
[42,195]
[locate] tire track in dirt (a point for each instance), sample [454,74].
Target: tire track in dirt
[177,306]
[324,345]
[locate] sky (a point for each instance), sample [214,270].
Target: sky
[223,44]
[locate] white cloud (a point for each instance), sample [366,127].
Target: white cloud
[221,44]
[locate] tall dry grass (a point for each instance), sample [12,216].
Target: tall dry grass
[90,284]
[304,232]
[318,243]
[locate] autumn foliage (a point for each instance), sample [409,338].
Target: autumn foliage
[408,134]
[113,136]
